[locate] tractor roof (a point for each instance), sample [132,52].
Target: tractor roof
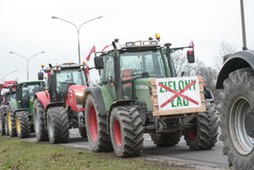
[140,45]
[69,65]
[9,83]
[32,82]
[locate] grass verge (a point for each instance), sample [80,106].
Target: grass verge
[21,155]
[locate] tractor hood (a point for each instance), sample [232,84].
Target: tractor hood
[75,97]
[77,90]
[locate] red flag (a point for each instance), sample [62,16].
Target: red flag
[105,48]
[191,44]
[89,55]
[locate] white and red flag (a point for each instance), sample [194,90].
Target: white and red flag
[93,74]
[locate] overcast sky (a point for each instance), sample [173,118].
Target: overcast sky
[27,28]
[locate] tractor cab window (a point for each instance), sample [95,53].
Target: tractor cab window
[108,72]
[28,90]
[142,64]
[69,76]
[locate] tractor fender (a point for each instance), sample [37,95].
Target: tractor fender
[98,96]
[54,104]
[120,103]
[22,109]
[43,97]
[234,62]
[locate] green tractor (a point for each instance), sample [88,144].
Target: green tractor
[19,112]
[135,79]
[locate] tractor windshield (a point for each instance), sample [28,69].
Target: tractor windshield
[146,63]
[74,76]
[31,89]
[69,76]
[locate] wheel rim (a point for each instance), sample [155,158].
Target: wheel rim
[242,142]
[36,123]
[93,123]
[117,133]
[9,121]
[50,127]
[18,125]
[192,133]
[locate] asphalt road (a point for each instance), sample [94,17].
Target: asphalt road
[212,158]
[179,155]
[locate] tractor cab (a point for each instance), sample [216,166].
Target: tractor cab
[130,67]
[62,77]
[26,91]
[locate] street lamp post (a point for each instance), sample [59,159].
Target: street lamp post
[27,60]
[243,25]
[78,30]
[4,75]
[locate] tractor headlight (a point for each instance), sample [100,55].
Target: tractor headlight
[80,94]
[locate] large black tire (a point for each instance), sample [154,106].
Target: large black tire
[166,139]
[236,105]
[126,131]
[58,125]
[22,124]
[6,125]
[204,132]
[96,126]
[82,132]
[11,123]
[2,124]
[40,121]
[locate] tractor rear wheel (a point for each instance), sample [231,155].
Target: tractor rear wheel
[204,132]
[23,124]
[126,131]
[39,121]
[2,124]
[237,118]
[166,139]
[96,126]
[58,125]
[11,123]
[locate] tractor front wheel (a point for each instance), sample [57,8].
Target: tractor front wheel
[204,131]
[126,131]
[96,126]
[11,123]
[6,125]
[23,124]
[39,121]
[2,124]
[58,125]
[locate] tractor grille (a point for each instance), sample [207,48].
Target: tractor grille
[79,100]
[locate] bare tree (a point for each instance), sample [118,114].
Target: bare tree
[197,68]
[225,49]
[181,64]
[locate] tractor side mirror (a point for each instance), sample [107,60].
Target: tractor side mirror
[40,76]
[183,73]
[190,56]
[98,62]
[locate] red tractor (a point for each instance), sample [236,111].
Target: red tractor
[7,89]
[59,107]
